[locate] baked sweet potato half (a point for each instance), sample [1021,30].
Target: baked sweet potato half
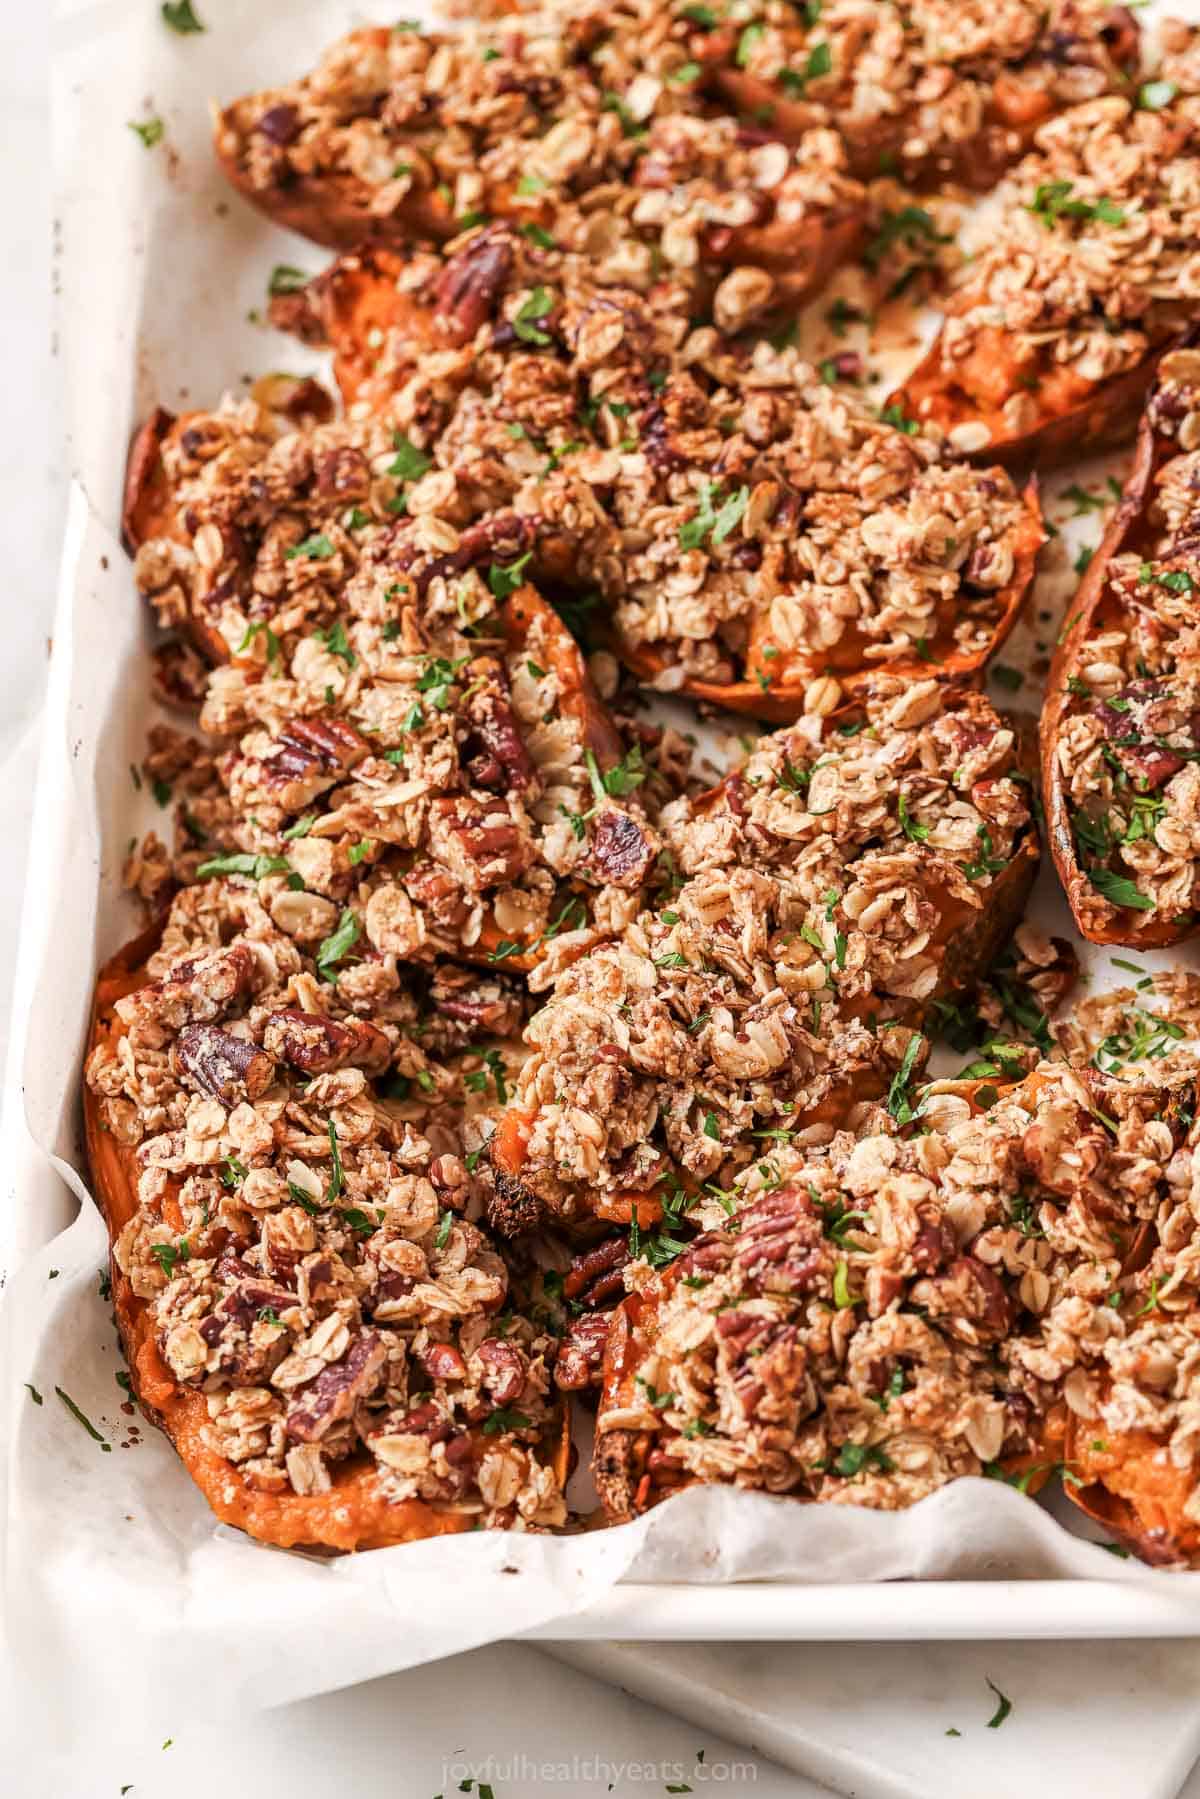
[754,534]
[1120,729]
[1048,350]
[401,136]
[857,869]
[305,1309]
[877,1316]
[964,92]
[405,726]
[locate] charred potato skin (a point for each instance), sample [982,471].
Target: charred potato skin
[1123,534]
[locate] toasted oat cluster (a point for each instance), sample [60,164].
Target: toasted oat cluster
[923,87]
[301,1236]
[743,520]
[849,873]
[1129,743]
[885,1311]
[615,125]
[409,749]
[1089,264]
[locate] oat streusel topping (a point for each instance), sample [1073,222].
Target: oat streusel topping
[303,1241]
[742,519]
[883,1313]
[1128,746]
[1089,265]
[406,732]
[828,891]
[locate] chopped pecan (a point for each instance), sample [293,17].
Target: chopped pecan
[580,1359]
[470,283]
[504,1370]
[495,751]
[442,1361]
[317,1044]
[227,1067]
[595,1274]
[337,1389]
[622,849]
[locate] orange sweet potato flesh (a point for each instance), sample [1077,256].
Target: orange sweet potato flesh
[354,1514]
[1125,1481]
[1095,608]
[776,685]
[1072,418]
[621,1467]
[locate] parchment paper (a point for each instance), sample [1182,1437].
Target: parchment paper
[123,1597]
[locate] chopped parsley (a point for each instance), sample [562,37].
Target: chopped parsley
[1002,1710]
[181,17]
[899,1100]
[337,946]
[1118,889]
[150,131]
[714,515]
[912,226]
[505,1419]
[505,578]
[1052,201]
[80,1418]
[254,866]
[313,549]
[285,279]
[535,306]
[410,463]
[894,415]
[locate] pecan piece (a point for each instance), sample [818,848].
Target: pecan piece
[483,846]
[970,1299]
[504,1370]
[229,1068]
[781,1246]
[442,1361]
[503,538]
[317,1044]
[595,1274]
[198,989]
[580,1358]
[496,755]
[469,284]
[343,474]
[337,1390]
[622,850]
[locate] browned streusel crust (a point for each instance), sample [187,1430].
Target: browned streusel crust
[924,88]
[883,1313]
[1088,269]
[750,528]
[612,126]
[304,1300]
[404,730]
[587,127]
[855,869]
[1121,730]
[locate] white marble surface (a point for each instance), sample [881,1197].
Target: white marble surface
[1093,1720]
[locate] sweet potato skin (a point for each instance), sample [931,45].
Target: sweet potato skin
[354,1514]
[1096,920]
[1092,417]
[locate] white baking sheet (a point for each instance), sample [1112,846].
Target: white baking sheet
[160,268]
